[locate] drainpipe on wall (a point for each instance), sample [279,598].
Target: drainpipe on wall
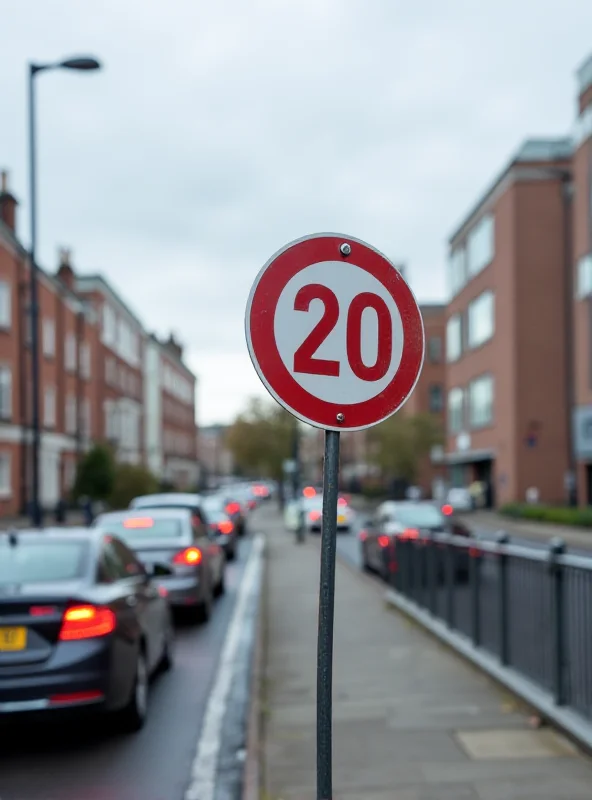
[79,384]
[567,190]
[23,372]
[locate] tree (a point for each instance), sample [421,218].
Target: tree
[261,438]
[400,443]
[95,476]
[131,480]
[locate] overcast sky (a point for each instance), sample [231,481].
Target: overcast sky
[219,131]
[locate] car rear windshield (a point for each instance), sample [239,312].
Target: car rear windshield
[143,527]
[419,516]
[41,562]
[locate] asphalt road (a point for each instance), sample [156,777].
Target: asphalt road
[89,762]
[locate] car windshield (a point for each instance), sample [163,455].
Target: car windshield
[41,562]
[419,516]
[142,527]
[216,515]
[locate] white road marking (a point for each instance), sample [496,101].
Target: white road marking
[204,767]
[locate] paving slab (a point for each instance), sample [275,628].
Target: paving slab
[412,721]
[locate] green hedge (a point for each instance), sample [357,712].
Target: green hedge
[560,515]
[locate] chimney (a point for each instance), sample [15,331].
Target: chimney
[65,273]
[174,347]
[8,203]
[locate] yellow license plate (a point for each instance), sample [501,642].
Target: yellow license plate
[13,638]
[341,518]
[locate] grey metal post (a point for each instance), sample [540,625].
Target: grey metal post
[326,617]
[502,539]
[556,549]
[34,308]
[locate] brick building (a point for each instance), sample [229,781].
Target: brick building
[91,377]
[507,331]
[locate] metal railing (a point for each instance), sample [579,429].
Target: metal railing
[529,609]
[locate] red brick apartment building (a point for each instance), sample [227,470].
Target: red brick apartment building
[507,332]
[92,385]
[582,252]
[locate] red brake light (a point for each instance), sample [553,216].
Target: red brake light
[314,515]
[190,557]
[75,697]
[225,527]
[86,622]
[251,504]
[232,508]
[162,591]
[309,491]
[138,522]
[42,611]
[410,533]
[384,541]
[342,501]
[362,536]
[447,510]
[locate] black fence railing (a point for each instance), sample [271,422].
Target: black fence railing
[531,609]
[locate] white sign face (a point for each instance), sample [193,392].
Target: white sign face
[345,281]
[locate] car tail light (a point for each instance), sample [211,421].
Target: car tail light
[314,516]
[251,504]
[86,622]
[309,491]
[447,510]
[190,557]
[362,536]
[225,527]
[42,611]
[342,501]
[410,533]
[162,591]
[232,508]
[384,541]
[75,697]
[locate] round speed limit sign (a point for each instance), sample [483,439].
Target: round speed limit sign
[334,332]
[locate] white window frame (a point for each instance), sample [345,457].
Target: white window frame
[86,418]
[487,378]
[49,337]
[457,269]
[454,326]
[483,304]
[481,245]
[584,277]
[453,394]
[85,365]
[49,407]
[70,354]
[5,392]
[109,325]
[5,304]
[71,413]
[5,473]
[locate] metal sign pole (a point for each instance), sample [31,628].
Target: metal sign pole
[326,615]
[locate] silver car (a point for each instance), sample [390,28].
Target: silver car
[180,552]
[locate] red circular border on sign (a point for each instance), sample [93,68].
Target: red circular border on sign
[265,297]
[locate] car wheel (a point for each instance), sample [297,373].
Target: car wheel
[231,554]
[133,716]
[168,659]
[365,565]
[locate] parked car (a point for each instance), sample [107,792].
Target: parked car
[312,507]
[460,500]
[82,625]
[222,525]
[231,505]
[409,519]
[178,549]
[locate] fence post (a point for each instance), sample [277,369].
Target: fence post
[502,539]
[556,549]
[450,581]
[475,556]
[403,562]
[432,577]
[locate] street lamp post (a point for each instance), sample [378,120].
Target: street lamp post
[81,65]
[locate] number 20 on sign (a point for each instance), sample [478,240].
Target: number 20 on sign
[334,332]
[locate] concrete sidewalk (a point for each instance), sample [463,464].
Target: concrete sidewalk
[543,531]
[411,720]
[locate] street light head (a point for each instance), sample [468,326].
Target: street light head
[80,64]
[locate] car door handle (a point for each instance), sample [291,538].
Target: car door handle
[131,601]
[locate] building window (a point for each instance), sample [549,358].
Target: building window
[5,475]
[481,320]
[480,245]
[86,418]
[109,325]
[5,304]
[455,410]
[481,401]
[457,270]
[85,360]
[436,398]
[435,349]
[110,372]
[584,287]
[48,338]
[71,414]
[70,352]
[454,338]
[5,393]
[49,407]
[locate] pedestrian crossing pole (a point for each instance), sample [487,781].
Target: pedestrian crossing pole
[326,617]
